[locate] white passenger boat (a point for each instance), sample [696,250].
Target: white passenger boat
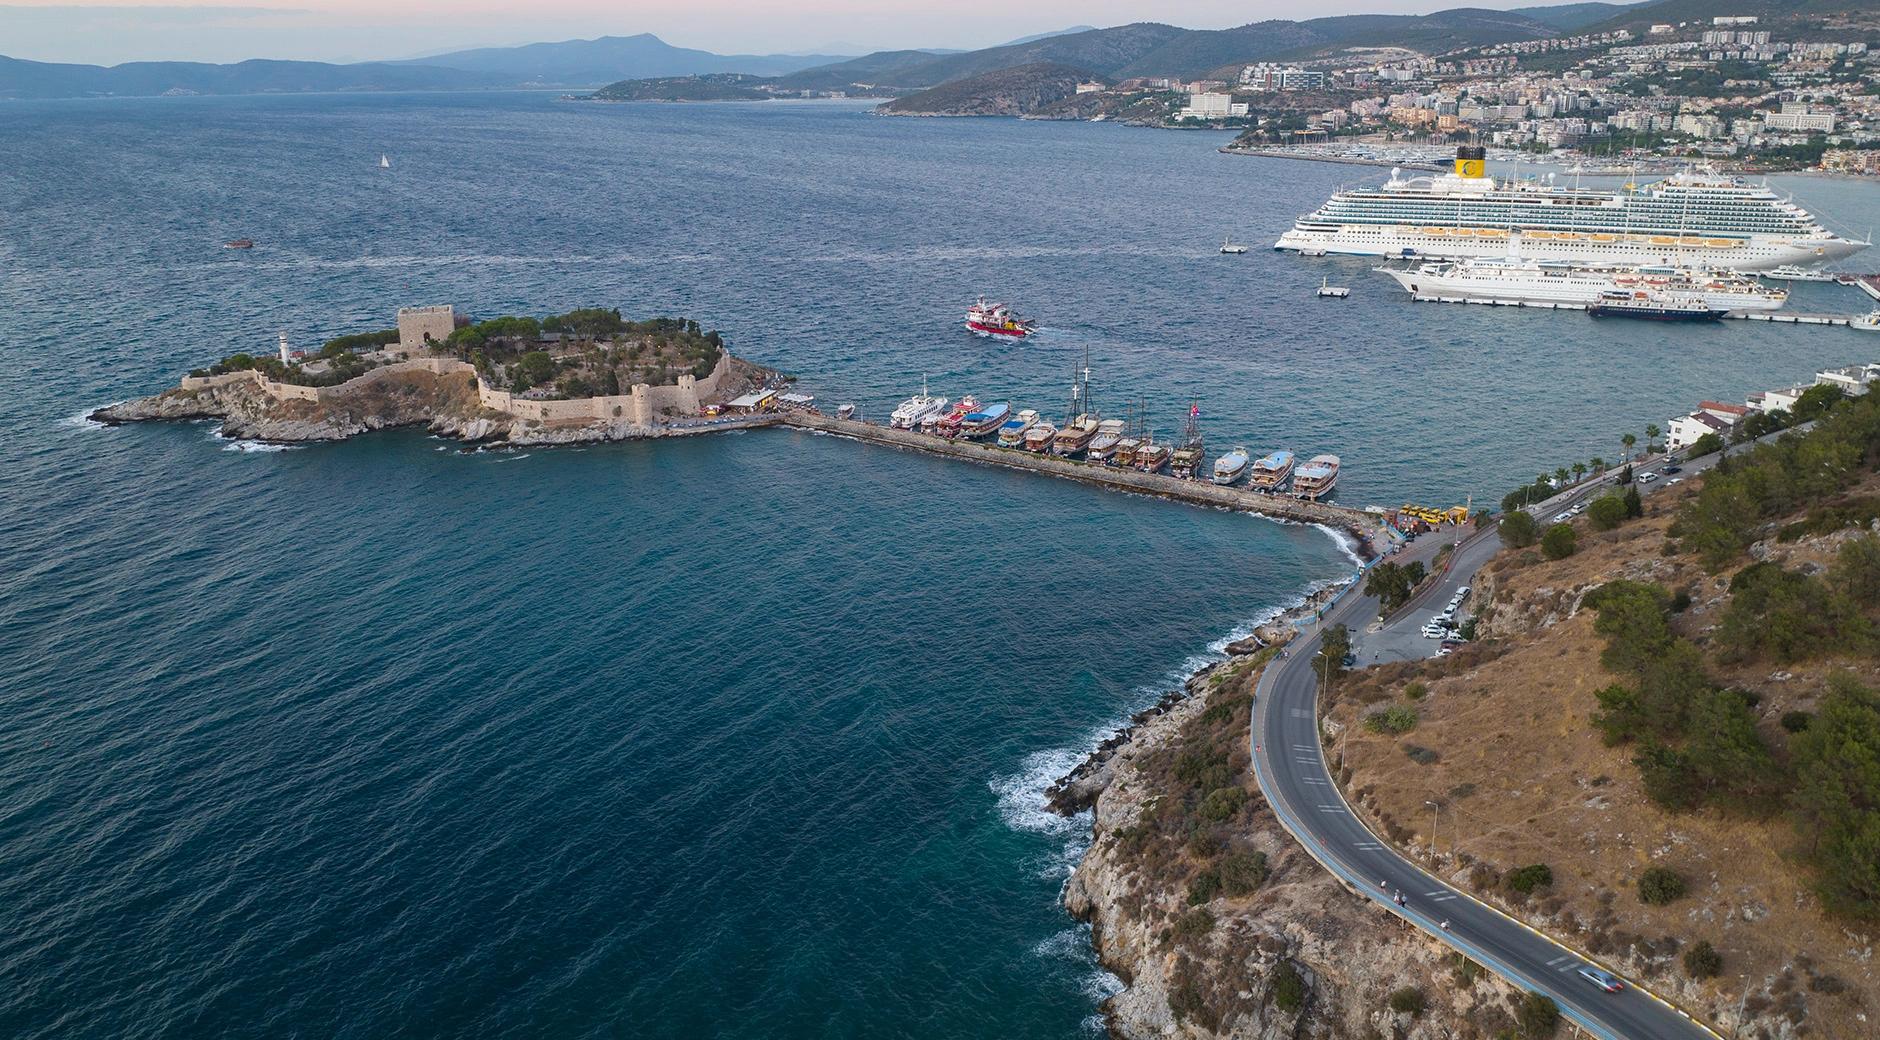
[918,408]
[1012,434]
[1561,284]
[1229,468]
[1316,477]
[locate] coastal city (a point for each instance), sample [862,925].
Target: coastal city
[942,523]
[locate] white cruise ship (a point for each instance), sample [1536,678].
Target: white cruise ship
[1694,219]
[1580,285]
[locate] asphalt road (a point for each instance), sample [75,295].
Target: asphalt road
[1290,765]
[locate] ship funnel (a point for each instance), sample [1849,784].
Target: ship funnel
[1471,161]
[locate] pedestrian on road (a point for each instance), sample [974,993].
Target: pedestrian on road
[1445,926]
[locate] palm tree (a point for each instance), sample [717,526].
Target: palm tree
[1579,472]
[1628,440]
[1560,477]
[1651,435]
[1598,464]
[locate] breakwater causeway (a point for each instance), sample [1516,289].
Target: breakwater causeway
[1368,528]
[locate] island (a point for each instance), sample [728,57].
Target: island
[717,86]
[587,375]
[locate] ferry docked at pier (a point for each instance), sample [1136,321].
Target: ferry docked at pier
[1039,437]
[1653,306]
[1270,472]
[1229,468]
[984,422]
[1012,433]
[1316,478]
[1513,280]
[1694,217]
[917,409]
[996,320]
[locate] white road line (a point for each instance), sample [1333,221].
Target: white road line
[1438,892]
[1557,960]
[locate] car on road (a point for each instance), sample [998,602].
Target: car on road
[1646,478]
[1674,469]
[1674,480]
[1563,518]
[1435,631]
[1602,978]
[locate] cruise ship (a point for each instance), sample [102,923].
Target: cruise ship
[1580,285]
[1687,219]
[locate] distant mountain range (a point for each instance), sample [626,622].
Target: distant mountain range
[588,62]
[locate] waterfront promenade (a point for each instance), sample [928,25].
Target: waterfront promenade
[1368,528]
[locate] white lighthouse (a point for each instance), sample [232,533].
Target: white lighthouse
[283,348]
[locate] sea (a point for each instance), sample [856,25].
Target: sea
[732,736]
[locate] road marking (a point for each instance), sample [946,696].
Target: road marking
[1305,747]
[1300,713]
[1438,892]
[1557,960]
[1445,899]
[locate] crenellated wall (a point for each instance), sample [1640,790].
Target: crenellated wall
[642,405]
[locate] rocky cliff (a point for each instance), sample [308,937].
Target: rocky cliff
[1221,925]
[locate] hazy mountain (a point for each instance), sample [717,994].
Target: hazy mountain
[612,58]
[1035,37]
[39,79]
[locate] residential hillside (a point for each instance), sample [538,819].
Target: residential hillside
[1772,15]
[1664,746]
[1007,92]
[1149,48]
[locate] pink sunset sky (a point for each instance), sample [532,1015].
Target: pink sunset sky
[358,30]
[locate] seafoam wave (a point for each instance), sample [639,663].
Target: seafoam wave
[1021,794]
[84,421]
[248,446]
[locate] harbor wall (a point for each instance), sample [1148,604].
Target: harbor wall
[1366,526]
[642,405]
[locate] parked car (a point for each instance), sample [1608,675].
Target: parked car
[1563,518]
[1674,480]
[1602,978]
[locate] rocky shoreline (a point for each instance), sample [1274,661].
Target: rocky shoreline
[443,405]
[1219,924]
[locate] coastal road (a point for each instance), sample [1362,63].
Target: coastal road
[1289,762]
[1290,765]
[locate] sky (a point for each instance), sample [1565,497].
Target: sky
[363,30]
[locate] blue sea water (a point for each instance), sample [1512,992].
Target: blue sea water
[737,736]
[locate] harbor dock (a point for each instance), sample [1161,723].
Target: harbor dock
[1366,526]
[1797,319]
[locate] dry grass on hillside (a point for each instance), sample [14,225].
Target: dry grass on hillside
[1505,745]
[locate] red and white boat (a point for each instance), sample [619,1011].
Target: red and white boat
[997,321]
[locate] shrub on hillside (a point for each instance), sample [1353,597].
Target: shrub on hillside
[1538,1017]
[1408,1001]
[1796,721]
[1416,691]
[1203,887]
[1606,512]
[1559,542]
[1222,803]
[1242,872]
[1395,719]
[1524,880]
[1518,530]
[1658,886]
[1702,961]
[1192,925]
[1287,987]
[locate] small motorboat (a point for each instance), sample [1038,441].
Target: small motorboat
[239,243]
[1328,291]
[1229,246]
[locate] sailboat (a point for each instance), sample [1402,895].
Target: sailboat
[385,161]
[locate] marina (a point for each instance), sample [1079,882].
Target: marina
[1362,524]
